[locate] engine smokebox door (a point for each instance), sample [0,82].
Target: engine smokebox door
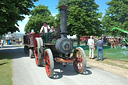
[64,45]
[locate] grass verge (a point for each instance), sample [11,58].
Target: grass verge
[115,64]
[112,53]
[5,69]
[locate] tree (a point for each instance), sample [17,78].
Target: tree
[116,16]
[39,15]
[83,18]
[12,11]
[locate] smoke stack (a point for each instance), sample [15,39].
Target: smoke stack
[63,18]
[64,45]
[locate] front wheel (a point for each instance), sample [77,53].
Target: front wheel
[49,63]
[80,60]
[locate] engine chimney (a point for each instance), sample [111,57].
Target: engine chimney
[63,18]
[64,45]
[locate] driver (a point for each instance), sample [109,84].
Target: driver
[44,28]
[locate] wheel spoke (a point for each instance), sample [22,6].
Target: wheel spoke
[36,51]
[78,53]
[79,61]
[49,64]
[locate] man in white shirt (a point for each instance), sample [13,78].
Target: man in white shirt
[91,47]
[44,28]
[2,43]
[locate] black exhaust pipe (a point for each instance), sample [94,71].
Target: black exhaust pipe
[64,45]
[63,18]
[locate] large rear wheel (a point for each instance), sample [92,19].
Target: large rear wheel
[49,63]
[80,60]
[42,51]
[37,53]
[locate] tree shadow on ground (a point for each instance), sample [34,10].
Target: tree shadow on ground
[10,46]
[15,51]
[3,63]
[95,57]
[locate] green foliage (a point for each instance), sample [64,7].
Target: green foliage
[39,15]
[11,11]
[57,20]
[83,18]
[116,16]
[63,2]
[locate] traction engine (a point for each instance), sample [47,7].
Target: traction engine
[54,47]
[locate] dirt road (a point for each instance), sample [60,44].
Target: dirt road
[25,72]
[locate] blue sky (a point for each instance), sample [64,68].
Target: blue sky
[52,4]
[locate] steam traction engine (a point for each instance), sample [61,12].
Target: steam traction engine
[51,47]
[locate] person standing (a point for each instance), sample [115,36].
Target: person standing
[2,43]
[91,47]
[86,40]
[99,44]
[52,29]
[111,40]
[44,28]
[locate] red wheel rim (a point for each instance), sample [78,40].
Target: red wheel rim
[78,63]
[47,63]
[36,52]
